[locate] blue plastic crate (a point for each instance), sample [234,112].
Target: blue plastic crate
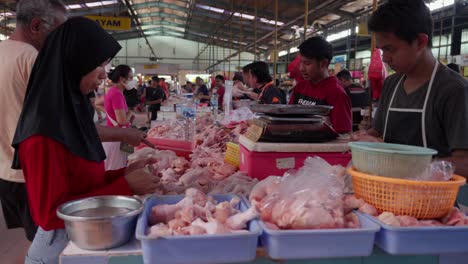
[320,243]
[196,249]
[421,240]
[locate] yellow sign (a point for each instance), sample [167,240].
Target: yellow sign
[150,66]
[465,71]
[362,29]
[112,23]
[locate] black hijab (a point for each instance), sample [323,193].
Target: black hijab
[54,105]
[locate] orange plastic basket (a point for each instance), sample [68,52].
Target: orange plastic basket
[420,199]
[232,155]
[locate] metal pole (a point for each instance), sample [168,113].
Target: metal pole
[230,39]
[255,32]
[306,18]
[369,125]
[275,51]
[240,39]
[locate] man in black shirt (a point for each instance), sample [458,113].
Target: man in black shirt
[154,97]
[359,96]
[258,77]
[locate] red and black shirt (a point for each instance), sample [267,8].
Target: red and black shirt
[326,92]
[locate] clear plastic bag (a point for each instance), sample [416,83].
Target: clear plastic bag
[437,171]
[311,198]
[237,116]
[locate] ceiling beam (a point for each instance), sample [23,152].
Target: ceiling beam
[287,26]
[160,5]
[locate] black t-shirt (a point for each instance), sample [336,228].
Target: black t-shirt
[131,97]
[446,113]
[203,90]
[153,94]
[359,96]
[272,95]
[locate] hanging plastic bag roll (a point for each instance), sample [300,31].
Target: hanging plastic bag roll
[227,100]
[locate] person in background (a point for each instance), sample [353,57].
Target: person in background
[117,114]
[219,90]
[35,19]
[163,84]
[238,89]
[424,103]
[154,97]
[318,88]
[454,67]
[188,87]
[359,96]
[56,142]
[259,78]
[131,95]
[202,91]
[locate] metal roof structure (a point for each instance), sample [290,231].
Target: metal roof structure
[244,25]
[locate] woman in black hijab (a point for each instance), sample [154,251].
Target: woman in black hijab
[56,142]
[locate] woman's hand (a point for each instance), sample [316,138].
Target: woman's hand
[142,181]
[364,136]
[139,165]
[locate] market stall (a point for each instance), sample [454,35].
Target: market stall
[306,216]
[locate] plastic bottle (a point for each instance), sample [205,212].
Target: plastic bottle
[214,103]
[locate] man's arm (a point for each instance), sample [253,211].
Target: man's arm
[459,159]
[128,135]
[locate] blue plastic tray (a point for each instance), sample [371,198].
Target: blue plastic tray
[421,240]
[320,243]
[196,249]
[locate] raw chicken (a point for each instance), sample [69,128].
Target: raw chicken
[199,214]
[239,221]
[352,221]
[368,209]
[407,220]
[311,198]
[166,212]
[212,227]
[389,219]
[159,230]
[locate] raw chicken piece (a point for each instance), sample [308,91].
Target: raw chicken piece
[389,219]
[368,209]
[454,217]
[180,165]
[198,197]
[166,212]
[169,175]
[222,171]
[194,175]
[211,227]
[271,226]
[194,230]
[159,230]
[266,187]
[176,224]
[352,221]
[430,223]
[407,220]
[351,202]
[239,221]
[223,211]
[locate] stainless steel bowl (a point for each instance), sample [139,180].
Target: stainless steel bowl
[100,222]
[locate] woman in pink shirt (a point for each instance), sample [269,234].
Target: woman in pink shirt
[117,114]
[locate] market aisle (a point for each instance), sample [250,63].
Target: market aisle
[12,242]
